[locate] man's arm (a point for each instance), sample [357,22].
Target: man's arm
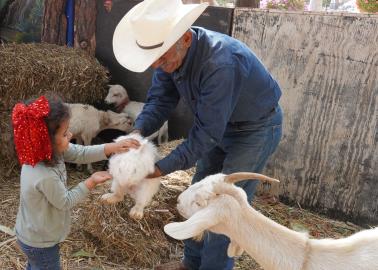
[220,90]
[162,99]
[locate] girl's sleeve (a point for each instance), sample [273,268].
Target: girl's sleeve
[58,195]
[84,154]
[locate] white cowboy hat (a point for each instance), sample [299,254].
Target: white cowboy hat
[149,29]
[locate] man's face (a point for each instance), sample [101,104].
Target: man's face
[173,58]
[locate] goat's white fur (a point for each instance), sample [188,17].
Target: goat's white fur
[86,122]
[129,170]
[223,208]
[117,95]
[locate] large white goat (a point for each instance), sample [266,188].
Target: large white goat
[118,96]
[86,122]
[129,170]
[215,204]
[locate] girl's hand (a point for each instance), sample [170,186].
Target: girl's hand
[121,146]
[97,178]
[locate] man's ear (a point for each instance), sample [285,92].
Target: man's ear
[196,224]
[187,39]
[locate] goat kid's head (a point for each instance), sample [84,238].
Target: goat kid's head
[116,94]
[120,121]
[202,203]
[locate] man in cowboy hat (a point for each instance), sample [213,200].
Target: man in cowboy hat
[234,99]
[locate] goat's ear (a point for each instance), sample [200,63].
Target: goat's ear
[200,200]
[196,224]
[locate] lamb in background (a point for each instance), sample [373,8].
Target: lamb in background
[118,96]
[215,204]
[129,171]
[86,122]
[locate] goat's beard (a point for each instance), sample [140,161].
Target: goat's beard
[199,237]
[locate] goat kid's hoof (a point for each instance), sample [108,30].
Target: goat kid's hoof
[110,198]
[136,213]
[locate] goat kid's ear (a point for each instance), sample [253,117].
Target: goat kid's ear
[196,224]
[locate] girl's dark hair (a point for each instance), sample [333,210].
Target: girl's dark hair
[59,112]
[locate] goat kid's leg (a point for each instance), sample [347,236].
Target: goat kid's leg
[117,195]
[87,141]
[143,195]
[234,249]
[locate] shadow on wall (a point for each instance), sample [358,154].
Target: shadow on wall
[137,84]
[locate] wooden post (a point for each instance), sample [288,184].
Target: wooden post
[85,25]
[55,24]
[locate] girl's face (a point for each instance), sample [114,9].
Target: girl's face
[62,137]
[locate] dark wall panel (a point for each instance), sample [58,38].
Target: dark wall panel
[214,18]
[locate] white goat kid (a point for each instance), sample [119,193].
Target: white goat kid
[118,96]
[221,207]
[129,170]
[86,122]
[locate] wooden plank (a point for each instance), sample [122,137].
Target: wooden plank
[327,66]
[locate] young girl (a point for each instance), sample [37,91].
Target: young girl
[43,145]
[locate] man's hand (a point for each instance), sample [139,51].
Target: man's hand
[156,173]
[121,146]
[97,178]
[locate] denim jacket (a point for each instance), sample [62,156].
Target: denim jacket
[222,81]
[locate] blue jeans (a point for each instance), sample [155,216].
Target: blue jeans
[41,258]
[246,146]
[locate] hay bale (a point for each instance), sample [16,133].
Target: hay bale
[136,243]
[8,158]
[29,70]
[129,242]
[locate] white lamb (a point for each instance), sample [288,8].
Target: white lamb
[216,205]
[86,122]
[129,170]
[118,96]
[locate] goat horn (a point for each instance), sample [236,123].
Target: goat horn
[236,177]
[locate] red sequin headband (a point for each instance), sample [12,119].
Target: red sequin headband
[31,135]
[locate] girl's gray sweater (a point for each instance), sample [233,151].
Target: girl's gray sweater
[43,217]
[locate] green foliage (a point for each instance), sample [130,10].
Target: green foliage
[367,5]
[326,3]
[283,4]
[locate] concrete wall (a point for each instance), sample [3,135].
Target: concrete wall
[327,66]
